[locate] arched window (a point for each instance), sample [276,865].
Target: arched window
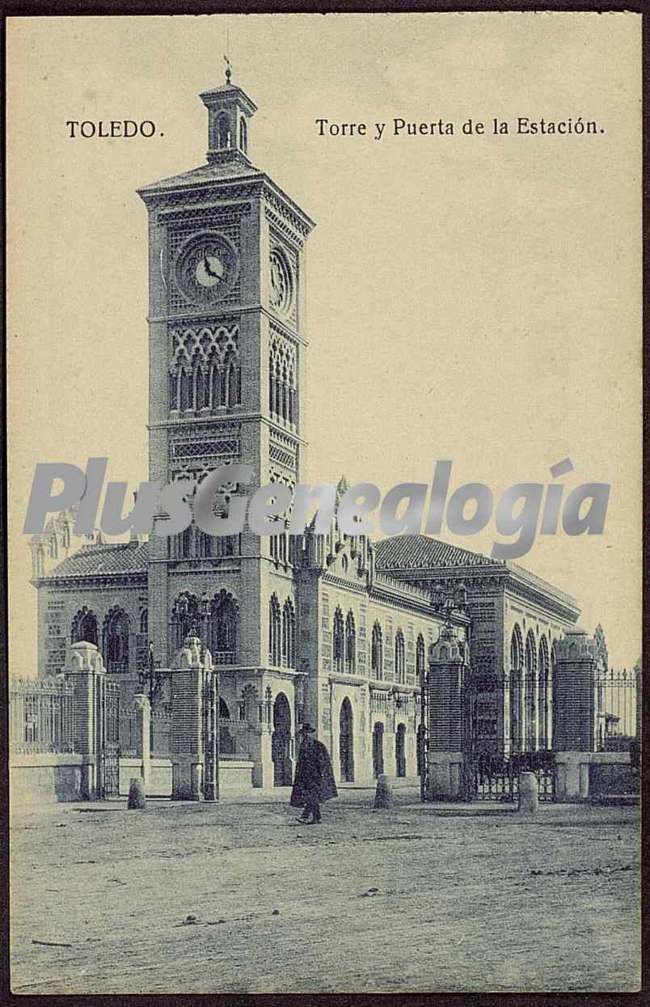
[272,385]
[173,391]
[233,382]
[516,650]
[337,641]
[350,644]
[198,389]
[400,657]
[185,389]
[144,621]
[420,658]
[530,692]
[223,130]
[84,627]
[516,686]
[377,652]
[531,659]
[288,635]
[243,135]
[545,695]
[275,631]
[222,629]
[116,641]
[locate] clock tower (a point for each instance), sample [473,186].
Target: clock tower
[226,358]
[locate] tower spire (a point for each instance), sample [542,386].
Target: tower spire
[228,69]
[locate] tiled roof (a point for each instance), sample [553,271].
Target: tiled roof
[412,552]
[234,168]
[103,560]
[419,552]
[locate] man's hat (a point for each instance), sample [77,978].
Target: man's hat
[307,729]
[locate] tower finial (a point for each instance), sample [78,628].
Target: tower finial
[228,69]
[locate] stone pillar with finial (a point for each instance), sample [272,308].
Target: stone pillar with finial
[85,671]
[187,743]
[444,755]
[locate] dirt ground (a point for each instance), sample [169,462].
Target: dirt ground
[237,897]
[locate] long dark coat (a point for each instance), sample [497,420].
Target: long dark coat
[314,779]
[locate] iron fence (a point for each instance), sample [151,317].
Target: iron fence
[41,716]
[618,701]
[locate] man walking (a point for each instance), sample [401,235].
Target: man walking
[314,779]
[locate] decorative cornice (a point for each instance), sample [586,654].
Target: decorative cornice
[177,424]
[192,192]
[230,312]
[508,577]
[131,579]
[334,580]
[181,216]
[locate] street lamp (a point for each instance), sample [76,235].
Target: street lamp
[152,679]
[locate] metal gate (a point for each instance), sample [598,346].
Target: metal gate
[107,711]
[488,773]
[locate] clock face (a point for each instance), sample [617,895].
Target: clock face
[206,268]
[281,282]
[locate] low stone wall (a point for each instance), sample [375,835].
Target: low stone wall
[51,778]
[608,779]
[44,778]
[160,776]
[583,776]
[234,775]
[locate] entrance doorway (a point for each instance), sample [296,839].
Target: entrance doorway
[378,749]
[346,742]
[281,742]
[400,750]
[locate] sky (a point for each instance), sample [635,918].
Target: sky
[470,297]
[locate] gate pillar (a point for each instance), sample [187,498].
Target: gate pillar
[186,741]
[575,693]
[576,710]
[444,750]
[85,671]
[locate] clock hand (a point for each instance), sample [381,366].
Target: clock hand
[209,271]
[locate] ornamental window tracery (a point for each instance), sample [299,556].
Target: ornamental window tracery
[350,644]
[215,620]
[205,369]
[288,635]
[116,641]
[338,641]
[84,627]
[275,631]
[192,543]
[283,395]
